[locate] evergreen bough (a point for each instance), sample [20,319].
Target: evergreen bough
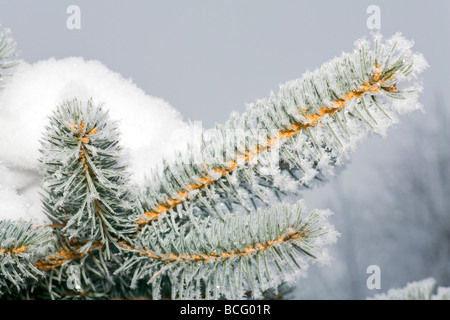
[425,289]
[220,221]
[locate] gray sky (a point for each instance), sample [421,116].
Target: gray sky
[208,58]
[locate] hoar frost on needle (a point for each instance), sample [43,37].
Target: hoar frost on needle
[214,220]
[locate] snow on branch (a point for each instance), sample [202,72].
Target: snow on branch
[208,224]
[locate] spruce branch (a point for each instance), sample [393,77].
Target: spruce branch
[8,55]
[206,226]
[304,132]
[88,195]
[21,244]
[211,258]
[425,289]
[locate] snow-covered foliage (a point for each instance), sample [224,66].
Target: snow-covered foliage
[210,221]
[150,128]
[21,245]
[268,248]
[85,178]
[288,141]
[418,290]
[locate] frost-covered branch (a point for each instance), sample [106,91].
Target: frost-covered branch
[212,258]
[8,55]
[89,197]
[21,245]
[419,290]
[209,224]
[284,142]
